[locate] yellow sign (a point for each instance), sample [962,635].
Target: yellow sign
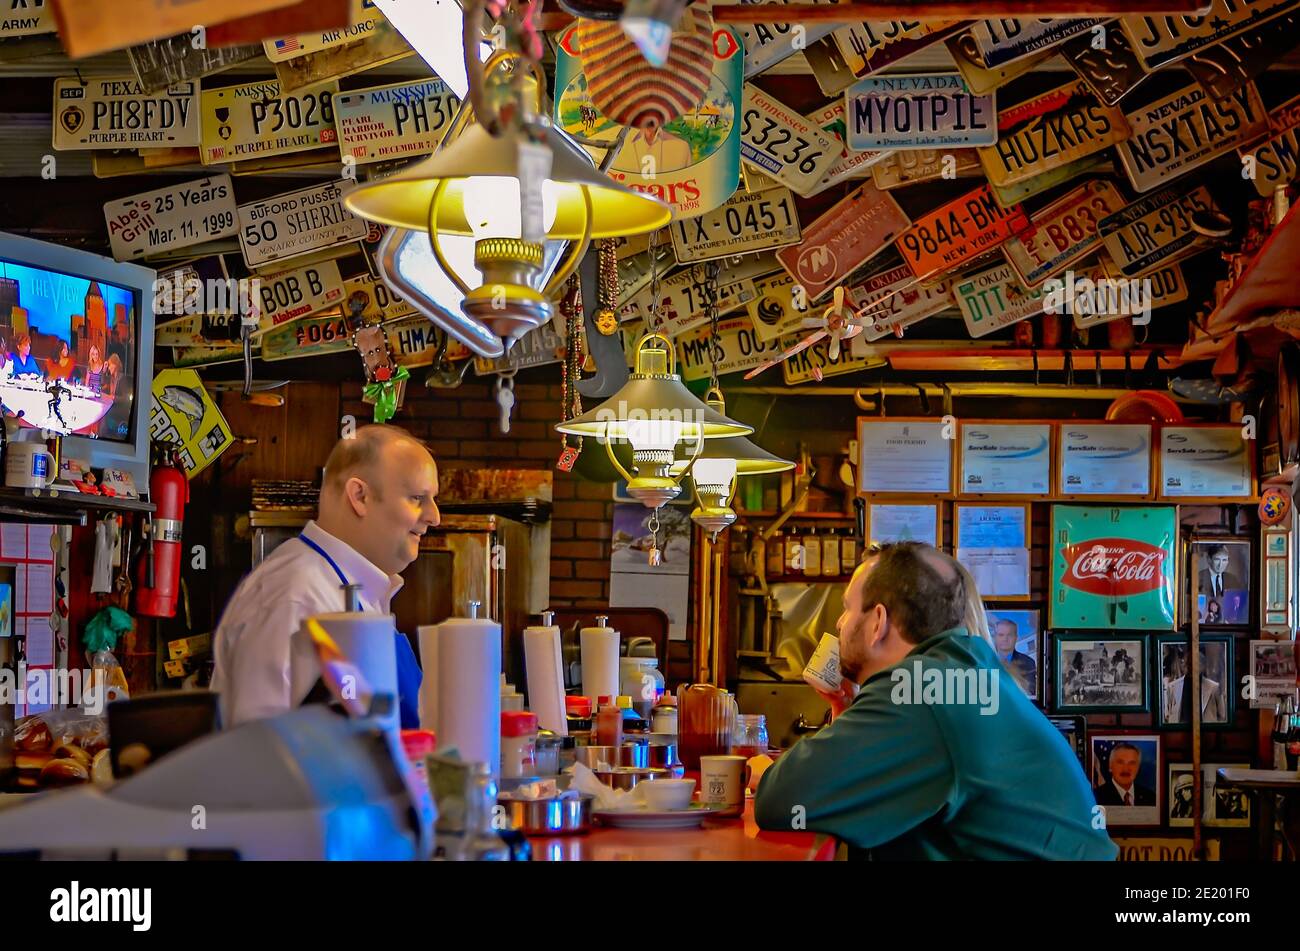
[183,413]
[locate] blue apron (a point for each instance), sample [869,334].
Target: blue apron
[408,668]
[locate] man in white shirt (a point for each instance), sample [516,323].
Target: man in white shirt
[376,500]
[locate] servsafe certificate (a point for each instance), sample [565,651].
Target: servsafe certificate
[1000,459]
[1105,460]
[904,457]
[1209,461]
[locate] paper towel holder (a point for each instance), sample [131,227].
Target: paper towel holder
[548,618]
[602,620]
[471,609]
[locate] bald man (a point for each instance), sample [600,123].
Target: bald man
[376,500]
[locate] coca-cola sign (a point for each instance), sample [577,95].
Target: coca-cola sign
[1114,567]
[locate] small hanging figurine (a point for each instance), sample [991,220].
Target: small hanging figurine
[57,391]
[385,380]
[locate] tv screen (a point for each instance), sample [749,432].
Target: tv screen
[69,346]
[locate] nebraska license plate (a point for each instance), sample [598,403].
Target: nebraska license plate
[1161,40]
[1063,232]
[389,122]
[954,233]
[994,298]
[747,222]
[256,120]
[1186,129]
[934,110]
[783,144]
[1155,229]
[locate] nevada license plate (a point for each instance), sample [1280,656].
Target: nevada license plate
[1161,40]
[918,112]
[256,120]
[1155,229]
[389,122]
[993,299]
[116,113]
[1003,41]
[1063,232]
[957,232]
[783,144]
[747,222]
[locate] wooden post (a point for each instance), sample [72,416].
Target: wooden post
[1194,671]
[939,10]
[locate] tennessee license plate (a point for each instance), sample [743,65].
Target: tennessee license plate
[912,166]
[783,144]
[1051,130]
[852,162]
[256,120]
[1275,160]
[1161,40]
[992,299]
[389,122]
[1063,232]
[1155,229]
[298,222]
[1186,129]
[747,222]
[116,113]
[918,112]
[1003,41]
[954,233]
[893,300]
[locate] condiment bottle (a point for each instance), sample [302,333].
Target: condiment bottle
[663,718]
[609,723]
[793,553]
[633,722]
[812,554]
[848,552]
[518,744]
[776,555]
[830,554]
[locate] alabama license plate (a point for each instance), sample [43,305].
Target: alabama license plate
[364,19]
[783,144]
[1161,40]
[256,120]
[1274,162]
[1186,129]
[1063,232]
[389,122]
[993,299]
[747,222]
[292,294]
[933,110]
[1004,41]
[309,337]
[298,222]
[957,232]
[1155,229]
[912,166]
[173,217]
[893,300]
[873,45]
[114,112]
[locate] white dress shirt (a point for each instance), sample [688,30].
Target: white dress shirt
[252,645]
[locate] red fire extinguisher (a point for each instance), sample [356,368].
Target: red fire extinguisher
[159,572]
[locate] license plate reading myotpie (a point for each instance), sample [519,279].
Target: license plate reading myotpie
[918,112]
[1063,232]
[958,231]
[1155,229]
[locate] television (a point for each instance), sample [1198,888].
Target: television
[76,339]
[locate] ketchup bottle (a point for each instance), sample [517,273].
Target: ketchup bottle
[609,723]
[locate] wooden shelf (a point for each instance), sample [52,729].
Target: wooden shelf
[1269,281]
[1022,361]
[61,506]
[798,516]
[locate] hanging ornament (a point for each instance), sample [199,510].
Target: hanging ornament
[1274,506]
[570,370]
[385,381]
[606,316]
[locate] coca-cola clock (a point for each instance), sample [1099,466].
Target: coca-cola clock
[1114,567]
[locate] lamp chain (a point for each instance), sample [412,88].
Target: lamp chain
[571,366]
[711,271]
[654,321]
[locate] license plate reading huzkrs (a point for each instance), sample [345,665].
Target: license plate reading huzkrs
[749,221]
[957,232]
[1063,232]
[388,122]
[255,121]
[1155,229]
[783,144]
[1161,40]
[116,113]
[918,112]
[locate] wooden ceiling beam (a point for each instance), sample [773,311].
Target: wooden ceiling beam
[856,12]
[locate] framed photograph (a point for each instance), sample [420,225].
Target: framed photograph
[1126,778]
[1272,671]
[1105,460]
[992,541]
[1223,570]
[905,522]
[1206,462]
[904,456]
[1016,639]
[1173,691]
[1013,460]
[1099,675]
[1220,808]
[1075,731]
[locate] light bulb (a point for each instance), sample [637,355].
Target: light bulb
[491,204]
[714,472]
[653,434]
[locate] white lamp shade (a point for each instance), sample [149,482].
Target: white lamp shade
[714,472]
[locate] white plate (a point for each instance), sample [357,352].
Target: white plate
[671,819]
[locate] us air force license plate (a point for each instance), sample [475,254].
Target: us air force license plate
[255,120]
[1155,229]
[116,113]
[748,221]
[783,144]
[918,112]
[1186,129]
[1161,40]
[388,122]
[1063,232]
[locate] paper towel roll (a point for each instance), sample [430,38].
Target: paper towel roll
[369,642]
[545,677]
[428,635]
[469,689]
[599,662]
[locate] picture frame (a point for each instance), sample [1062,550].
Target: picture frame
[1023,471]
[1169,668]
[1220,808]
[1018,641]
[1225,562]
[1075,731]
[1128,764]
[904,455]
[1096,673]
[993,541]
[899,520]
[1205,462]
[1272,669]
[1100,460]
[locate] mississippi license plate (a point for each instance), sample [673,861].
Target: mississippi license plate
[935,110]
[364,19]
[298,222]
[738,349]
[116,113]
[892,300]
[292,294]
[783,144]
[1155,229]
[747,222]
[255,120]
[1063,232]
[1111,68]
[993,299]
[1274,162]
[1186,129]
[172,217]
[1003,41]
[779,306]
[912,166]
[1051,130]
[816,363]
[767,44]
[388,122]
[875,44]
[963,229]
[980,78]
[683,296]
[1161,40]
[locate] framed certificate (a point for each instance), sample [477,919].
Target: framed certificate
[905,522]
[900,456]
[992,541]
[1210,462]
[1012,460]
[1104,460]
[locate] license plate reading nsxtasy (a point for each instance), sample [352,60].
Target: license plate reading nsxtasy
[1161,40]
[957,232]
[918,112]
[1155,229]
[747,222]
[783,144]
[1063,232]
[256,121]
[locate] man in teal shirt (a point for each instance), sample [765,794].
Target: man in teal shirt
[940,755]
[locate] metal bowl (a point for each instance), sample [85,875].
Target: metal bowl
[626,777]
[549,816]
[663,755]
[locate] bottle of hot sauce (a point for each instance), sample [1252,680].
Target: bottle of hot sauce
[609,723]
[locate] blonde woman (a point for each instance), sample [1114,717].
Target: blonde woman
[94,368]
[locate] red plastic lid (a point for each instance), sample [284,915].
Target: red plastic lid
[577,706]
[518,723]
[418,744]
[604,701]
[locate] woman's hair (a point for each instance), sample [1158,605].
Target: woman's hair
[93,357]
[23,339]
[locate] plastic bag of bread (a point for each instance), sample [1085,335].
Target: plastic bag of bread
[58,747]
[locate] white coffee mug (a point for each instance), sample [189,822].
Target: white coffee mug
[722,783]
[823,670]
[29,465]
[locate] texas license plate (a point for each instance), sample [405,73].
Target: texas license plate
[873,45]
[912,166]
[298,222]
[1063,232]
[388,122]
[747,222]
[957,232]
[364,20]
[992,299]
[1155,229]
[1003,41]
[893,300]
[173,217]
[783,144]
[767,44]
[116,113]
[1049,131]
[256,120]
[1274,162]
[934,110]
[1161,40]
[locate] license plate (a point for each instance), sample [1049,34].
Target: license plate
[174,60]
[777,308]
[815,362]
[959,231]
[22,21]
[539,347]
[208,356]
[783,144]
[1063,232]
[980,78]
[389,122]
[1155,229]
[1229,65]
[738,349]
[256,120]
[1017,192]
[748,221]
[173,217]
[309,337]
[1111,71]
[116,113]
[935,110]
[767,44]
[913,166]
[993,299]
[298,222]
[1049,131]
[893,300]
[846,236]
[292,294]
[1105,297]
[682,299]
[851,163]
[364,19]
[414,342]
[199,330]
[873,45]
[1166,287]
[385,45]
[1185,130]
[1275,160]
[373,300]
[1004,41]
[1161,40]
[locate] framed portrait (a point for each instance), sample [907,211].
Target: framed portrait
[1017,635]
[1221,808]
[1272,671]
[1127,779]
[1223,572]
[1075,731]
[1172,665]
[1099,674]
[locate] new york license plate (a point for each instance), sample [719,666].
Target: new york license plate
[1063,232]
[1155,229]
[256,120]
[918,112]
[747,222]
[957,232]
